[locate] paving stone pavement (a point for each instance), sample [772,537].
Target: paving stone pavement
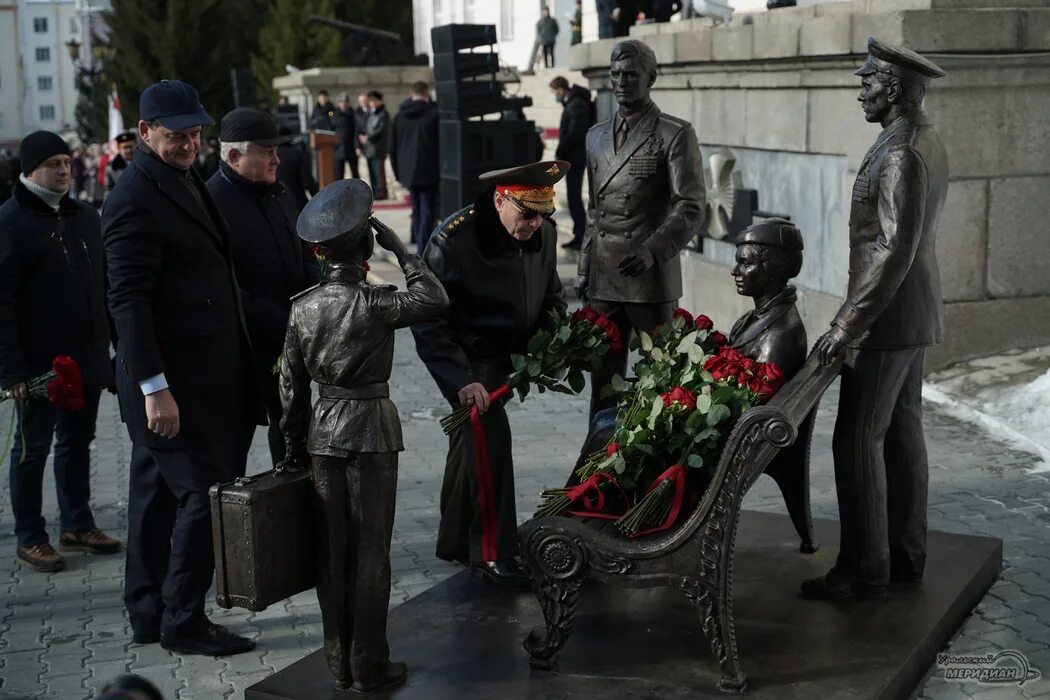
[63,635]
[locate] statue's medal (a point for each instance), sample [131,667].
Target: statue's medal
[644,161]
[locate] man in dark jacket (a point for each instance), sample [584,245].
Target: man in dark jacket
[125,151]
[184,370]
[577,117]
[323,113]
[52,304]
[345,123]
[375,142]
[271,262]
[497,261]
[546,35]
[294,170]
[414,158]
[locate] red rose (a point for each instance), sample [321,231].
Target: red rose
[66,390]
[612,449]
[761,388]
[612,334]
[704,323]
[603,322]
[683,314]
[585,313]
[681,396]
[718,338]
[772,375]
[367,267]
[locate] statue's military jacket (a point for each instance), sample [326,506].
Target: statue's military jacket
[773,332]
[894,295]
[648,193]
[501,292]
[341,335]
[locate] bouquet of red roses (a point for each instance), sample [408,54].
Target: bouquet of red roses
[555,360]
[62,386]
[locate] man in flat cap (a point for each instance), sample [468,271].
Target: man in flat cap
[496,259]
[893,311]
[647,202]
[116,167]
[272,263]
[341,335]
[184,370]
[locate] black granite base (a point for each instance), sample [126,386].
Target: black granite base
[462,638]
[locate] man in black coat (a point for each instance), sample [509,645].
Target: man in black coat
[271,261]
[375,142]
[52,304]
[323,112]
[577,116]
[184,367]
[345,123]
[414,158]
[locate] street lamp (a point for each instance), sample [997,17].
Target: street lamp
[74,51]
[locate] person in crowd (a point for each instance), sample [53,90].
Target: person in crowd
[577,117]
[125,150]
[546,35]
[52,304]
[624,15]
[606,24]
[184,370]
[271,263]
[94,178]
[375,142]
[208,160]
[294,170]
[576,23]
[414,158]
[497,260]
[345,123]
[77,174]
[323,113]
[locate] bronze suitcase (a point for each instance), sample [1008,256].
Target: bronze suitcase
[263,531]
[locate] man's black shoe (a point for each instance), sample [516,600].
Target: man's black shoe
[146,637]
[572,245]
[213,640]
[504,571]
[396,673]
[833,587]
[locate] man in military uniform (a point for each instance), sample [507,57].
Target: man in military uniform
[125,151]
[341,335]
[893,311]
[496,260]
[647,202]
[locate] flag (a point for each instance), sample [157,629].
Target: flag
[116,119]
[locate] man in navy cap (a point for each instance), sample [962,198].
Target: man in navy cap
[497,261]
[184,370]
[892,313]
[341,336]
[271,262]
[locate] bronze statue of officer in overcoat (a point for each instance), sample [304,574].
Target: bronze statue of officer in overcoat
[341,336]
[892,313]
[646,202]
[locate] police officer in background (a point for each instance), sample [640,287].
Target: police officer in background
[497,261]
[125,150]
[271,262]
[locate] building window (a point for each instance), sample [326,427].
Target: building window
[43,54]
[40,25]
[506,20]
[47,112]
[43,82]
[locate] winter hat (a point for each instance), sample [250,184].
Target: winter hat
[38,147]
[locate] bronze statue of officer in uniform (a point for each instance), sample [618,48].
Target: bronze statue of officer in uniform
[646,202]
[893,311]
[341,336]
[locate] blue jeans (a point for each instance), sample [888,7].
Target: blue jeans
[423,200]
[38,423]
[377,176]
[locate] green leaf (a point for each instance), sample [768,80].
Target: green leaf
[619,464]
[718,413]
[576,380]
[696,354]
[533,367]
[657,354]
[695,461]
[688,342]
[590,342]
[564,333]
[705,434]
[695,420]
[607,392]
[517,361]
[539,342]
[646,341]
[654,413]
[703,403]
[618,383]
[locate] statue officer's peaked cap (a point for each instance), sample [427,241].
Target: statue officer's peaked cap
[774,232]
[900,62]
[340,208]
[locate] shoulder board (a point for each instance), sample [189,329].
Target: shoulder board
[306,291]
[458,219]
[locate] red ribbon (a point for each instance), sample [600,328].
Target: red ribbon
[593,508]
[483,477]
[676,474]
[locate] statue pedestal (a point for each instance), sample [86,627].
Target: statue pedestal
[462,638]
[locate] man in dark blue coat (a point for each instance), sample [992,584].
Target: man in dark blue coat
[184,367]
[415,160]
[52,303]
[272,263]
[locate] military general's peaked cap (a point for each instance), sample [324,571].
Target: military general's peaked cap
[900,62]
[774,232]
[530,186]
[340,208]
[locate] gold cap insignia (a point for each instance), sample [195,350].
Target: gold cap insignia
[553,170]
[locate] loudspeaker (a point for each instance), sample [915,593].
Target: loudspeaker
[242,80]
[288,115]
[471,148]
[455,66]
[451,38]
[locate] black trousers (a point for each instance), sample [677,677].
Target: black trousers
[169,546]
[628,317]
[355,500]
[424,208]
[574,193]
[548,55]
[340,167]
[881,471]
[479,520]
[38,424]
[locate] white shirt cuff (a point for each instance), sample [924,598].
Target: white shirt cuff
[154,384]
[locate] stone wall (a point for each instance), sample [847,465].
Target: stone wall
[778,88]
